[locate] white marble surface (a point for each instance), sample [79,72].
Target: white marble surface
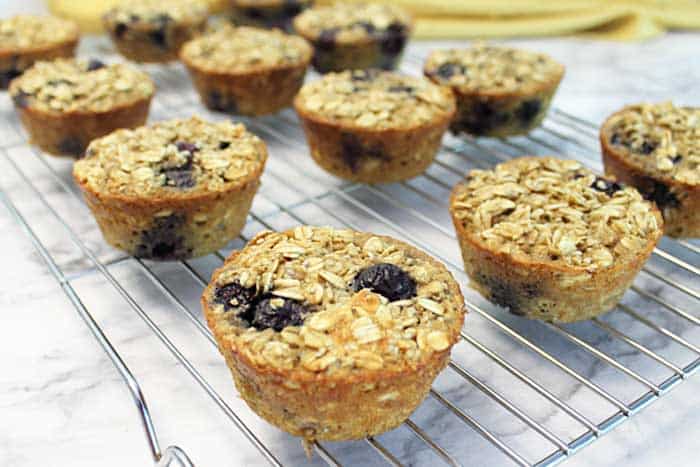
[63,404]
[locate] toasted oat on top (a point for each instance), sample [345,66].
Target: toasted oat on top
[66,103]
[171,158]
[154,30]
[374,126]
[656,147]
[172,190]
[350,36]
[551,240]
[374,99]
[333,334]
[500,91]
[26,39]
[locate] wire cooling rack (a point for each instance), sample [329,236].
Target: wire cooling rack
[515,392]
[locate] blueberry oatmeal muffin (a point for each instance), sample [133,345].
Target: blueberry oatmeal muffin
[333,334]
[374,126]
[500,91]
[173,190]
[154,30]
[246,70]
[656,148]
[550,240]
[66,103]
[350,36]
[267,13]
[25,40]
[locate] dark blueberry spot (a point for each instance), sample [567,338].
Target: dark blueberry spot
[606,186]
[616,139]
[120,30]
[292,8]
[71,146]
[528,110]
[647,148]
[21,99]
[393,39]
[289,313]
[163,240]
[7,76]
[158,38]
[254,13]
[235,294]
[184,146]
[660,194]
[506,295]
[401,88]
[481,118]
[224,145]
[94,64]
[577,176]
[676,159]
[367,26]
[326,40]
[352,151]
[386,279]
[448,70]
[220,102]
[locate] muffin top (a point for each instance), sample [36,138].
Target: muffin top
[490,69]
[172,159]
[245,49]
[352,22]
[659,139]
[321,300]
[156,12]
[68,85]
[375,99]
[552,211]
[24,32]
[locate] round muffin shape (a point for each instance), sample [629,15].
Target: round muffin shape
[66,103]
[374,126]
[267,13]
[500,91]
[656,148]
[333,334]
[352,36]
[172,190]
[154,30]
[246,70]
[25,40]
[550,240]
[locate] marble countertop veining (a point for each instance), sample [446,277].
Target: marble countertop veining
[63,404]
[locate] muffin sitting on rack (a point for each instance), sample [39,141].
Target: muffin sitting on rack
[154,30]
[656,147]
[67,103]
[333,334]
[374,126]
[246,70]
[500,91]
[352,36]
[550,240]
[25,40]
[173,190]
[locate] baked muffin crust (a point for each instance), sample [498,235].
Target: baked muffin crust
[333,334]
[80,86]
[155,11]
[171,158]
[374,99]
[245,49]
